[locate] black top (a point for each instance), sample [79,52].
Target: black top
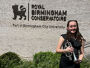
[65,62]
[75,43]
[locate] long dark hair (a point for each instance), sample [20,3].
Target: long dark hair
[77,34]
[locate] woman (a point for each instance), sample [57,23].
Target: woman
[71,55]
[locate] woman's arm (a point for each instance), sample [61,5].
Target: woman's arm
[59,49]
[82,51]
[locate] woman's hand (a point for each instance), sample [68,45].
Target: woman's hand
[69,49]
[78,61]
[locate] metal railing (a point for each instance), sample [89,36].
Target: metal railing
[87,51]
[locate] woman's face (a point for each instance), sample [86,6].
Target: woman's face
[72,27]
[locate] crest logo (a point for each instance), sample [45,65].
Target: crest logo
[19,12]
